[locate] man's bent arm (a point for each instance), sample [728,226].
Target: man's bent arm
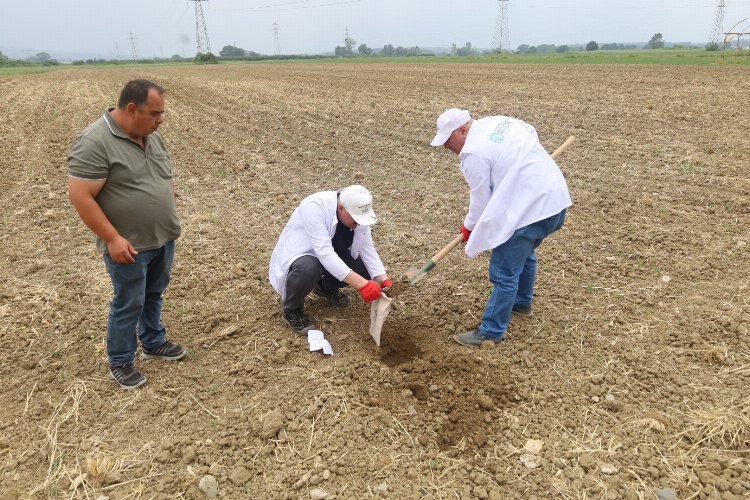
[82,194]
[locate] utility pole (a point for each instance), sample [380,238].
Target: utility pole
[132,46]
[276,46]
[717,32]
[202,45]
[501,40]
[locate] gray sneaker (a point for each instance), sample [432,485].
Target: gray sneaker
[127,376]
[473,338]
[167,351]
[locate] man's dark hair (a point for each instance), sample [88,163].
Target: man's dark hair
[136,91]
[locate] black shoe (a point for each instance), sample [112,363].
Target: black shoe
[335,298]
[298,320]
[127,376]
[523,310]
[167,350]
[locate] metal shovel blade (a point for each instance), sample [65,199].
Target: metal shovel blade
[405,281]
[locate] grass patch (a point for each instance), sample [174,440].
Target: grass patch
[682,57]
[676,57]
[25,70]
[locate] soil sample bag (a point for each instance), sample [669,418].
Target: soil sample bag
[379,310]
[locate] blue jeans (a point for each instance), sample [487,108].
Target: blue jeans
[512,273]
[135,310]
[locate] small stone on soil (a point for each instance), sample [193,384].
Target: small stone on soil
[381,488]
[209,486]
[533,446]
[608,469]
[317,494]
[666,494]
[530,461]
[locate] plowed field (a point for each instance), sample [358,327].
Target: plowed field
[632,374]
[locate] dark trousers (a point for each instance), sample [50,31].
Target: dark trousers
[306,272]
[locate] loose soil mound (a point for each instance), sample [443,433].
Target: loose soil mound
[633,371]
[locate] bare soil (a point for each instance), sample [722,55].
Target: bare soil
[633,371]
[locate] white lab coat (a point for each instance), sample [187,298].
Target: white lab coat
[513,181]
[309,232]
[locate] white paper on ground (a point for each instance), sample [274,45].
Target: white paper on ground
[379,310]
[317,342]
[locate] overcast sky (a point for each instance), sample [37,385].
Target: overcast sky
[162,28]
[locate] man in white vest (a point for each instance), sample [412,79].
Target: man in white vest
[326,245]
[517,197]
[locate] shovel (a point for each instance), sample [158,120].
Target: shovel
[413,275]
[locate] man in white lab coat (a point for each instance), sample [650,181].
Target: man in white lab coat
[326,245]
[518,196]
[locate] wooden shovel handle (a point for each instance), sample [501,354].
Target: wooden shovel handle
[563,147]
[450,246]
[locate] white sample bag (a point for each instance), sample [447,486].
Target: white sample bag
[379,310]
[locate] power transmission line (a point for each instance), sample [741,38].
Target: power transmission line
[202,45]
[274,7]
[501,40]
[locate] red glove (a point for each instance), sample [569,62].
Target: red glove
[465,233]
[386,283]
[370,292]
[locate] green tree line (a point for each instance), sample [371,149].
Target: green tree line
[42,58]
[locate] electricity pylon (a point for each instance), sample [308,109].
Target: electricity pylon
[501,40]
[276,46]
[717,33]
[202,45]
[132,46]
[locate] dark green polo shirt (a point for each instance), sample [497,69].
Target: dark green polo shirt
[137,196]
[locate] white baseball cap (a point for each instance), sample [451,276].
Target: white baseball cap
[357,200]
[449,121]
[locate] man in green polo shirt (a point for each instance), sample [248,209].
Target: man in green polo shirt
[120,182]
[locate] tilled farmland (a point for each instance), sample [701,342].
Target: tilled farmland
[630,380]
